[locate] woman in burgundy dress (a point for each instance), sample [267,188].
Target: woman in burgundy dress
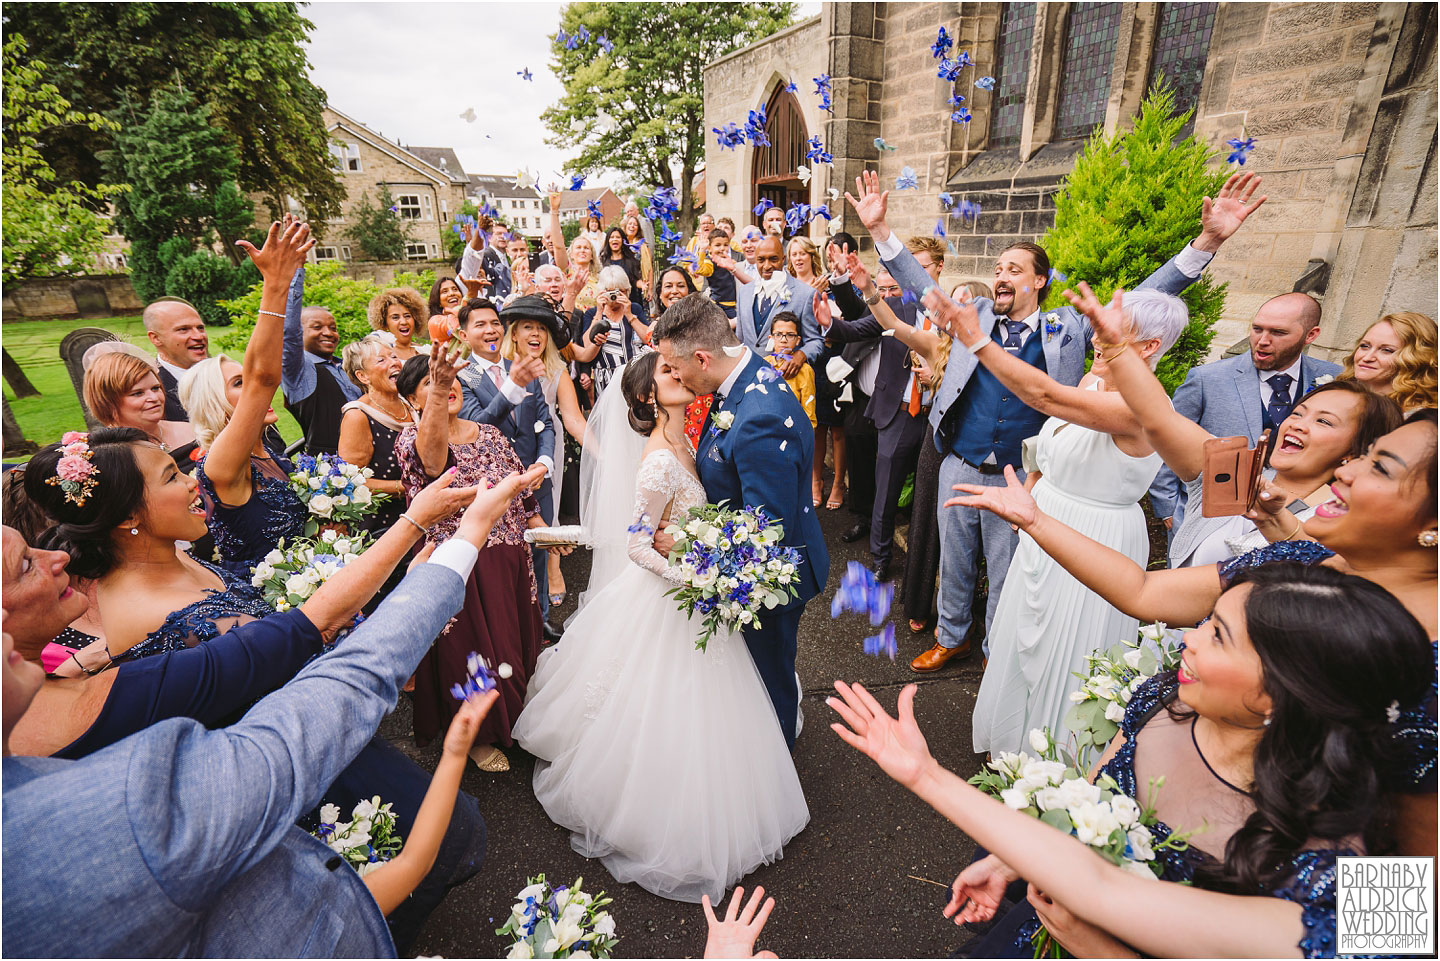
[501,617]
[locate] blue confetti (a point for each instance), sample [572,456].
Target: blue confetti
[755,128]
[961,116]
[940,227]
[880,144]
[946,199]
[797,216]
[882,643]
[577,181]
[986,83]
[861,593]
[592,207]
[790,87]
[822,83]
[478,679]
[817,153]
[765,204]
[907,180]
[605,44]
[685,257]
[1240,148]
[525,74]
[955,100]
[940,49]
[729,136]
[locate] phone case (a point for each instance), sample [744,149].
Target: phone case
[1233,471]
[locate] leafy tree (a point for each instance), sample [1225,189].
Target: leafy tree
[182,171]
[454,243]
[206,280]
[640,105]
[379,229]
[1131,201]
[245,60]
[325,283]
[51,226]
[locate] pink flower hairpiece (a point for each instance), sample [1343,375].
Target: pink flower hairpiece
[74,473]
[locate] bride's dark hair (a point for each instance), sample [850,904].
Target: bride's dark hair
[1339,655]
[637,385]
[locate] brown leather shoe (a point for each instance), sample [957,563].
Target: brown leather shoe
[937,656]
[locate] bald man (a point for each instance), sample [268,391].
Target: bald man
[315,385]
[774,292]
[178,333]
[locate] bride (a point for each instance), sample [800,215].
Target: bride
[664,761]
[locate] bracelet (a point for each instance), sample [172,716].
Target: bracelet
[1299,526]
[271,313]
[1119,349]
[874,297]
[407,517]
[976,347]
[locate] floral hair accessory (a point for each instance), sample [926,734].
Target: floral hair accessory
[74,474]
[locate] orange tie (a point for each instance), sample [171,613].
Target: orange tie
[914,407]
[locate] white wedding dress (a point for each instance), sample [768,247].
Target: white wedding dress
[664,761]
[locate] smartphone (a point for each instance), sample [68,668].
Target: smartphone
[1232,474]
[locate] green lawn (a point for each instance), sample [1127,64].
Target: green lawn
[35,345]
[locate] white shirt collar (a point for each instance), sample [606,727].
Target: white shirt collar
[1293,370]
[483,365]
[729,382]
[773,287]
[176,372]
[1032,322]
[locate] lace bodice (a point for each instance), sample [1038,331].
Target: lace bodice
[664,489]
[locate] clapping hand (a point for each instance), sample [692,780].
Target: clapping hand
[1221,217]
[1107,320]
[735,936]
[284,252]
[872,202]
[896,745]
[1011,503]
[438,501]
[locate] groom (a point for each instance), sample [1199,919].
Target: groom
[755,450]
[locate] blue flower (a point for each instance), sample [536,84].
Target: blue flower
[755,128]
[950,70]
[642,526]
[797,216]
[790,87]
[478,679]
[955,100]
[1240,148]
[577,181]
[861,593]
[822,84]
[1056,275]
[967,210]
[572,41]
[941,47]
[669,237]
[817,152]
[946,199]
[825,102]
[767,375]
[685,257]
[583,33]
[908,297]
[765,204]
[960,116]
[940,227]
[882,643]
[821,211]
[728,137]
[906,180]
[880,144]
[561,36]
[986,83]
[605,44]
[592,207]
[523,75]
[963,58]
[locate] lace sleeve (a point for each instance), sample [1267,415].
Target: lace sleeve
[653,490]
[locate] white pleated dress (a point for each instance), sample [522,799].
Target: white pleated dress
[1046,620]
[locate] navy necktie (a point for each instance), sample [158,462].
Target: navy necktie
[762,309]
[1017,329]
[1280,402]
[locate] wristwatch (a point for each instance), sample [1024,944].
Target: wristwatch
[874,297]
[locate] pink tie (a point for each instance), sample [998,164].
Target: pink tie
[496,376]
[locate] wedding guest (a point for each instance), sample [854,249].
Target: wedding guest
[749,241]
[785,338]
[594,233]
[123,390]
[500,619]
[1396,357]
[644,253]
[629,329]
[176,330]
[211,814]
[841,398]
[720,272]
[584,260]
[399,312]
[495,263]
[617,253]
[675,285]
[699,242]
[1276,694]
[313,378]
[773,222]
[372,424]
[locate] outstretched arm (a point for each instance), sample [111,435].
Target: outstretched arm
[1139,911]
[926,343]
[1180,596]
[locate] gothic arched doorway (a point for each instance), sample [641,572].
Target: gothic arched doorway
[777,177]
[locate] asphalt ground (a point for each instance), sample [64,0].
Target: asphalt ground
[866,878]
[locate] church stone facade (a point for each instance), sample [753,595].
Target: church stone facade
[1340,99]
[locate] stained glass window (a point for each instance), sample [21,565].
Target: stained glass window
[1017,30]
[1182,42]
[1085,70]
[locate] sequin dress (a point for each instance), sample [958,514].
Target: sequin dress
[500,619]
[246,533]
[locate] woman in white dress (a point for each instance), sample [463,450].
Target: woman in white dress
[664,761]
[1092,466]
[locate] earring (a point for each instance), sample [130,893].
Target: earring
[1267,720]
[134,531]
[1428,538]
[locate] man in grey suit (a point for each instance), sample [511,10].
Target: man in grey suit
[775,291]
[977,421]
[1250,392]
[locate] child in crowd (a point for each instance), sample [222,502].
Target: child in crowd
[784,342]
[717,266]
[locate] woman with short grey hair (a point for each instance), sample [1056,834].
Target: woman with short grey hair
[624,333]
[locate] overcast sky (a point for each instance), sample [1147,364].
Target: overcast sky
[403,69]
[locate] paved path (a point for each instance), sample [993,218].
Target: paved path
[845,886]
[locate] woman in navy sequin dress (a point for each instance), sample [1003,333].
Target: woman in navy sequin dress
[1269,737]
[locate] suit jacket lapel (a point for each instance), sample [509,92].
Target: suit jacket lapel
[1247,387]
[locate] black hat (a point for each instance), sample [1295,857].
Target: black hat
[536,307]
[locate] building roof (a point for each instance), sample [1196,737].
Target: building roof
[500,185]
[442,157]
[580,199]
[428,167]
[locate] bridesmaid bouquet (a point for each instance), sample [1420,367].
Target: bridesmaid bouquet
[333,490]
[563,923]
[1112,677]
[1052,788]
[731,566]
[367,840]
[288,575]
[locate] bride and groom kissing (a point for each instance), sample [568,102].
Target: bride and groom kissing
[671,764]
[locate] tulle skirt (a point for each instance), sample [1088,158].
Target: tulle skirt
[665,762]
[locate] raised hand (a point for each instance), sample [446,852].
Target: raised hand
[859,273]
[959,318]
[1012,502]
[474,286]
[576,281]
[896,745]
[284,252]
[522,372]
[978,890]
[1108,321]
[735,936]
[835,256]
[1221,217]
[871,204]
[724,261]
[821,305]
[466,723]
[443,358]
[439,500]
[487,508]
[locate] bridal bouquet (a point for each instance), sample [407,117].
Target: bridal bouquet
[1112,677]
[333,490]
[367,840]
[563,923]
[732,566]
[1050,787]
[288,575]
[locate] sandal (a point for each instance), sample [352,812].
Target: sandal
[817,492]
[495,761]
[837,499]
[918,627]
[557,599]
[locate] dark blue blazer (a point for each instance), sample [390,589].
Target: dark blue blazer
[893,375]
[527,425]
[764,460]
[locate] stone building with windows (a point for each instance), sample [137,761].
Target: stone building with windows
[520,207]
[1340,99]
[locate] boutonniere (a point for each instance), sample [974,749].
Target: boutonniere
[1052,325]
[1322,379]
[724,419]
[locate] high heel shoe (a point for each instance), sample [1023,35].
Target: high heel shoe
[488,757]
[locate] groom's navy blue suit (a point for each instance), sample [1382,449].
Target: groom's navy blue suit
[763,460]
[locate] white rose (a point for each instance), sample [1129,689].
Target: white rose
[1126,811]
[336,481]
[1140,849]
[1155,632]
[1015,799]
[1079,793]
[746,617]
[1048,798]
[1079,697]
[1132,658]
[1043,772]
[330,813]
[263,572]
[1039,741]
[604,924]
[1088,820]
[321,505]
[367,867]
[1139,869]
[704,578]
[274,557]
[297,584]
[315,483]
[341,500]
[521,949]
[1115,711]
[350,558]
[361,495]
[342,544]
[724,419]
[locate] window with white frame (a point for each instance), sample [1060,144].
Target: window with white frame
[344,251]
[413,206]
[444,211]
[345,157]
[327,253]
[415,252]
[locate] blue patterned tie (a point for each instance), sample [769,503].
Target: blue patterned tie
[1017,329]
[1280,402]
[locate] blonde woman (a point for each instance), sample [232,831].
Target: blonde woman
[802,261]
[400,313]
[583,258]
[527,338]
[1396,357]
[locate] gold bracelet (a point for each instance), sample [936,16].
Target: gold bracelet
[1119,349]
[1299,526]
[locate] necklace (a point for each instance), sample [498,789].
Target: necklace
[1213,773]
[402,417]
